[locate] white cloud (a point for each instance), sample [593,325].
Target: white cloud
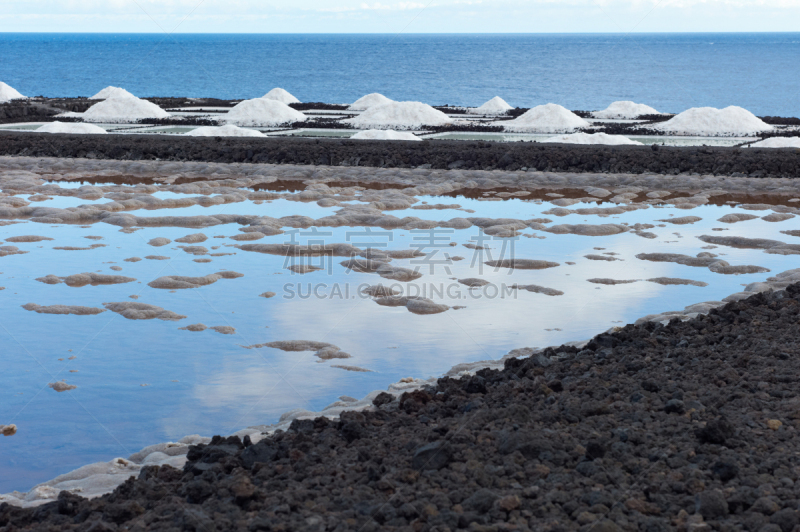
[389,16]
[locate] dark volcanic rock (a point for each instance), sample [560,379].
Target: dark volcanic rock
[688,426]
[439,154]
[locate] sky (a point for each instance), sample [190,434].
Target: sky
[391,16]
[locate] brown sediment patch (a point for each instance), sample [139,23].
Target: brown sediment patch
[726,269]
[142,311]
[702,260]
[156,257]
[26,238]
[61,386]
[296,250]
[658,194]
[267,295]
[202,261]
[601,257]
[391,253]
[93,237]
[8,430]
[116,268]
[5,251]
[177,282]
[323,350]
[607,281]
[160,241]
[63,309]
[76,248]
[536,289]
[587,229]
[473,246]
[735,217]
[741,242]
[379,291]
[133,259]
[777,217]
[50,279]
[194,238]
[303,268]
[756,206]
[792,232]
[352,368]
[437,206]
[223,329]
[683,220]
[786,249]
[195,250]
[416,305]
[253,235]
[95,279]
[473,282]
[385,270]
[195,327]
[522,264]
[665,281]
[597,192]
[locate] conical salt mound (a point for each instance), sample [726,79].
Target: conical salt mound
[281,95]
[262,112]
[593,138]
[377,134]
[495,106]
[111,92]
[399,115]
[625,110]
[370,100]
[224,131]
[8,93]
[548,118]
[123,109]
[72,129]
[707,121]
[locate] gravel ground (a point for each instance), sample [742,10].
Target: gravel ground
[689,426]
[440,154]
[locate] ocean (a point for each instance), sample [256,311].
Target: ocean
[671,72]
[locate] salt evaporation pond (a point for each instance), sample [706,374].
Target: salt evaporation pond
[140,382]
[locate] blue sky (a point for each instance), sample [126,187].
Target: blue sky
[390,16]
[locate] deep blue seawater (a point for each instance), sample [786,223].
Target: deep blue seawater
[671,72]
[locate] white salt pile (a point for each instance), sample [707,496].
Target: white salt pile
[111,92]
[74,129]
[708,121]
[281,95]
[378,134]
[123,109]
[626,110]
[262,112]
[495,106]
[370,100]
[548,118]
[8,93]
[399,115]
[224,131]
[593,138]
[776,142]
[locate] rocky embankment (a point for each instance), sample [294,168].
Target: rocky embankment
[439,154]
[689,425]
